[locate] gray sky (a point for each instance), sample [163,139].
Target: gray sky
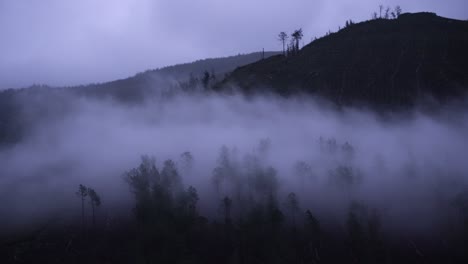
[71,42]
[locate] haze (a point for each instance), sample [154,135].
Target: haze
[93,142]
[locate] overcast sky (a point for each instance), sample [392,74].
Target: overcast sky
[60,42]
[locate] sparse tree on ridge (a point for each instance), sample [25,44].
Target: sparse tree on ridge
[297,36]
[283,37]
[387,13]
[398,11]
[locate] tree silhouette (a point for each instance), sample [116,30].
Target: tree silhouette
[303,171]
[192,200]
[283,37]
[142,180]
[356,234]
[293,205]
[226,206]
[186,162]
[170,177]
[297,36]
[95,201]
[82,193]
[206,79]
[387,13]
[398,11]
[312,233]
[224,171]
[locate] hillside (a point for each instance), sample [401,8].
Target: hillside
[20,108]
[381,62]
[135,88]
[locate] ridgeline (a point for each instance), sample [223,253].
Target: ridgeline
[384,63]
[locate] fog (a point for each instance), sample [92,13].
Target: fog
[410,169]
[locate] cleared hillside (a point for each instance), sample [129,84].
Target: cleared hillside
[380,62]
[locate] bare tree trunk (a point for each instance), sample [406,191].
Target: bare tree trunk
[82,213]
[94,219]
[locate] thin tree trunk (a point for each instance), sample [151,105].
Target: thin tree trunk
[94,219]
[82,213]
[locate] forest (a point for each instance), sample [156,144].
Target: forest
[242,180]
[349,149]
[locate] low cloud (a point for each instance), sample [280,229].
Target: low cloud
[410,168]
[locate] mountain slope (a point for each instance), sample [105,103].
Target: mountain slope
[135,88]
[21,108]
[380,62]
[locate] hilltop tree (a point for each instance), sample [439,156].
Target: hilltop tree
[82,193]
[95,201]
[297,36]
[349,23]
[398,11]
[283,37]
[387,12]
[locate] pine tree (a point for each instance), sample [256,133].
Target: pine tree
[82,193]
